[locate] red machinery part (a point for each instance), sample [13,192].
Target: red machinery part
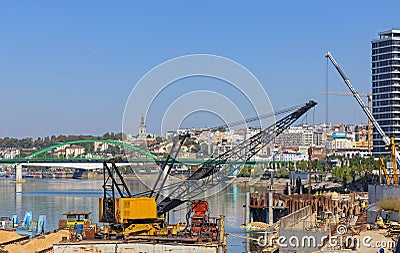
[199,207]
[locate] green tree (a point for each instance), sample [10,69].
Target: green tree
[343,174]
[159,139]
[26,143]
[221,129]
[282,172]
[245,172]
[302,165]
[106,136]
[195,148]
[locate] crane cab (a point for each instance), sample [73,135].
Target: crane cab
[77,218]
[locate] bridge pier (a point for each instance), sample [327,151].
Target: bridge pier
[18,173]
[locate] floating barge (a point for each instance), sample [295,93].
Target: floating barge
[204,234]
[155,245]
[197,238]
[140,224]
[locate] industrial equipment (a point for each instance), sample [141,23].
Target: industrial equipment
[29,226]
[140,214]
[180,138]
[127,214]
[356,95]
[382,167]
[76,218]
[202,224]
[220,169]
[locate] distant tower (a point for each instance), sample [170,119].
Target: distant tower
[142,129]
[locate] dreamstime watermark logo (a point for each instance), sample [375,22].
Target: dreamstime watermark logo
[156,85]
[335,242]
[341,229]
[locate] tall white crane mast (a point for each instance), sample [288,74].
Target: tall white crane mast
[356,95]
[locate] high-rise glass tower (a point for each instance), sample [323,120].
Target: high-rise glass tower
[386,87]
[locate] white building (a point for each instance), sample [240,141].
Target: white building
[290,156]
[10,153]
[100,146]
[296,136]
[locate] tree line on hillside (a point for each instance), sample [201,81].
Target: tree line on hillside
[39,143]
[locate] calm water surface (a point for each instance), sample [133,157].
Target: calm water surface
[53,197]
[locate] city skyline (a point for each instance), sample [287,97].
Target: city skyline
[346,140]
[68,68]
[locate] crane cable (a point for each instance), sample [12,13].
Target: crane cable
[326,92]
[258,117]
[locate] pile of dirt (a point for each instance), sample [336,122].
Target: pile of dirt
[39,243]
[6,236]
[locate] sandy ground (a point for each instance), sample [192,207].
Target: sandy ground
[37,244]
[372,240]
[6,236]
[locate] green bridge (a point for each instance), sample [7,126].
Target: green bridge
[42,156]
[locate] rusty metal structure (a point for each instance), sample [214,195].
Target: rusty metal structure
[344,205]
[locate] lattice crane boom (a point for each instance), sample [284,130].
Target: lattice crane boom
[217,170]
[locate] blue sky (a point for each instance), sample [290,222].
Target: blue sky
[68,66]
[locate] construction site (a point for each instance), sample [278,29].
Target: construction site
[297,216]
[300,217]
[140,222]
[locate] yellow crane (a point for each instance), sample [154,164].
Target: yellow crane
[382,167]
[369,98]
[395,175]
[142,214]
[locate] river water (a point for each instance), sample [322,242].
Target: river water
[53,197]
